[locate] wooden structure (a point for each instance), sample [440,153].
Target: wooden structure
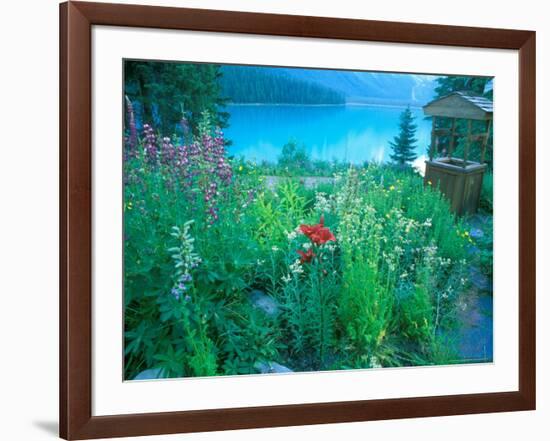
[459,179]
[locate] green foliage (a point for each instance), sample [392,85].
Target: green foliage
[247,337]
[295,162]
[416,314]
[277,213]
[366,300]
[484,245]
[167,92]
[320,294]
[381,294]
[449,84]
[294,158]
[486,198]
[404,145]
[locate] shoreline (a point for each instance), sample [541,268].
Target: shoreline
[350,104]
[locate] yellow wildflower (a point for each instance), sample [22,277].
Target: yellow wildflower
[381,336]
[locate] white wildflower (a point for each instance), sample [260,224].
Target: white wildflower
[296,267]
[292,235]
[322,203]
[374,363]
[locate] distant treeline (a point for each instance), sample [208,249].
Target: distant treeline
[240,84]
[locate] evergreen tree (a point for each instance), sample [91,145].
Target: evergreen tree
[447,85]
[404,144]
[165,92]
[252,84]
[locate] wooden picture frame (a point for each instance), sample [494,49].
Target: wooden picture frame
[76,21]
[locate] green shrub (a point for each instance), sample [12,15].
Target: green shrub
[486,198]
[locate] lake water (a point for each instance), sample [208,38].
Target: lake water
[351,133]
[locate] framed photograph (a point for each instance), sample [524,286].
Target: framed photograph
[272,220]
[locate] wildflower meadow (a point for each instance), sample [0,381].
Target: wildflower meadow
[238,266]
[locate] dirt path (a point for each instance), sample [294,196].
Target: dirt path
[306,181]
[475,336]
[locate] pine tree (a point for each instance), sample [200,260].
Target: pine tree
[404,145]
[446,85]
[164,92]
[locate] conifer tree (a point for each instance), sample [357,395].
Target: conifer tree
[165,93]
[404,145]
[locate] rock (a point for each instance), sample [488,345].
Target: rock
[270,367]
[477,233]
[478,221]
[150,374]
[264,302]
[480,280]
[475,333]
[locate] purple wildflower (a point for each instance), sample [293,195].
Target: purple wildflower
[176,293]
[168,152]
[151,152]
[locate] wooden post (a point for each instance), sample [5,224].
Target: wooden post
[485,140]
[468,141]
[452,140]
[434,138]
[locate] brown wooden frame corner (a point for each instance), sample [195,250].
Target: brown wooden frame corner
[76,21]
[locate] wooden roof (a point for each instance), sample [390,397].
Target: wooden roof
[465,105]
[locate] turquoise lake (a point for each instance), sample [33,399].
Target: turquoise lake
[349,133]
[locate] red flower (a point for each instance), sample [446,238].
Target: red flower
[308,230]
[318,234]
[322,236]
[307,256]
